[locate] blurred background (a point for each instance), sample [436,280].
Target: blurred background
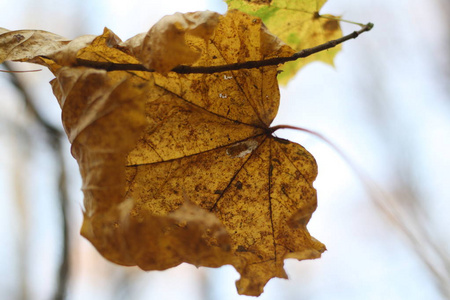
[385,104]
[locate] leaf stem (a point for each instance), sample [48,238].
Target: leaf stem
[342,20]
[183,69]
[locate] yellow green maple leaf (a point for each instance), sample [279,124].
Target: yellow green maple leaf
[298,24]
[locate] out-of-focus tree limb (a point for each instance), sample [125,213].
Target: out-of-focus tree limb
[54,135]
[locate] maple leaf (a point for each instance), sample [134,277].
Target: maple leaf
[144,140]
[182,167]
[298,24]
[212,140]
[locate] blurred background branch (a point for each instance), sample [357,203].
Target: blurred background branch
[402,200]
[54,139]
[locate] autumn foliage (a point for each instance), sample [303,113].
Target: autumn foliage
[184,167]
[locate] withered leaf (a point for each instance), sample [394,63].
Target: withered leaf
[26,45]
[184,168]
[164,47]
[211,140]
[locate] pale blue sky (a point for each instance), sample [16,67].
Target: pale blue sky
[390,75]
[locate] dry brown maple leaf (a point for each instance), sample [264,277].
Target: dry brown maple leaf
[184,168]
[212,140]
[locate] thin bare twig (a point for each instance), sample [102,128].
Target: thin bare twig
[16,71]
[109,66]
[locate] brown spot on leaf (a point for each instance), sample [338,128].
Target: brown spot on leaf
[238,185]
[241,248]
[331,25]
[262,2]
[18,38]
